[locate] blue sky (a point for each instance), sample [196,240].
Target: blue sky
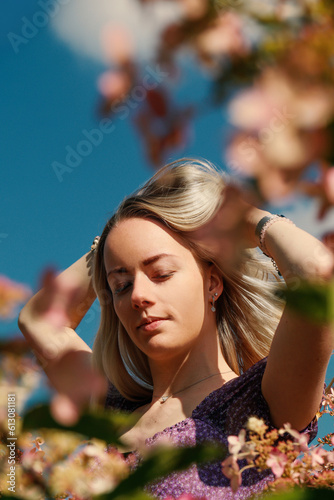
[48,98]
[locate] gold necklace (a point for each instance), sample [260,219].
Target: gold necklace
[163,399]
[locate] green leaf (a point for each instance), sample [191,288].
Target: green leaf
[160,462]
[134,495]
[10,497]
[99,424]
[304,494]
[313,300]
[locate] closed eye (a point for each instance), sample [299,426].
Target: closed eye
[122,287]
[163,276]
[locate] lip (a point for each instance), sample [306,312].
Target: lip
[151,323]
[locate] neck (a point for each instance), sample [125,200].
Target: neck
[180,371]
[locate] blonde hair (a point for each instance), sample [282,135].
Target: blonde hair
[184,195]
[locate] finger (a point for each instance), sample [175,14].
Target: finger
[64,410]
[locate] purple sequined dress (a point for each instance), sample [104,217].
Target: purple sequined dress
[221,414]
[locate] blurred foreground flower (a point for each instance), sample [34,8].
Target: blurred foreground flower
[56,461]
[282,130]
[11,295]
[162,125]
[91,471]
[117,44]
[323,189]
[270,64]
[19,374]
[114,85]
[226,36]
[61,464]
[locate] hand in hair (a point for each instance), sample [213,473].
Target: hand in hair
[47,321]
[55,303]
[230,230]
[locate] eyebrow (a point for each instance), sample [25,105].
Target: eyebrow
[146,262]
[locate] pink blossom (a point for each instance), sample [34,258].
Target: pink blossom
[303,442]
[317,455]
[226,36]
[231,470]
[287,428]
[275,101]
[194,9]
[117,43]
[301,439]
[251,109]
[329,399]
[298,472]
[114,84]
[236,442]
[277,462]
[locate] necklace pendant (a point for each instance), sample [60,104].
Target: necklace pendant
[163,399]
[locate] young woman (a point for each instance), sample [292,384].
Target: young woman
[192,338]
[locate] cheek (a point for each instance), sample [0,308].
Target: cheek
[189,298]
[196,308]
[122,310]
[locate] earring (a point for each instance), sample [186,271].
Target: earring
[213,309]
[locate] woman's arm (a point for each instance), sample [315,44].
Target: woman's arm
[48,320]
[300,352]
[294,378]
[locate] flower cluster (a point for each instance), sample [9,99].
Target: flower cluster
[276,56]
[42,458]
[58,464]
[285,452]
[63,464]
[327,404]
[19,374]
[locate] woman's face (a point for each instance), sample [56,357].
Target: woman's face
[160,294]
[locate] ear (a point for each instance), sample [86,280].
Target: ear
[215,281]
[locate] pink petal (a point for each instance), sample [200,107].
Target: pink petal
[114,84]
[117,44]
[194,9]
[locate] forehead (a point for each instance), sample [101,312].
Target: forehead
[137,239]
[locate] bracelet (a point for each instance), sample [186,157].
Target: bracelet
[261,229]
[95,243]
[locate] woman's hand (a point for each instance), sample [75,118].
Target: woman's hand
[57,298]
[48,321]
[230,230]
[78,385]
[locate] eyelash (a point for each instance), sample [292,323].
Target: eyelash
[126,285]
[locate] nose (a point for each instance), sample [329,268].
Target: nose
[142,293]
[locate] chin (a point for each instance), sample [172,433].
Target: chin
[163,350]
